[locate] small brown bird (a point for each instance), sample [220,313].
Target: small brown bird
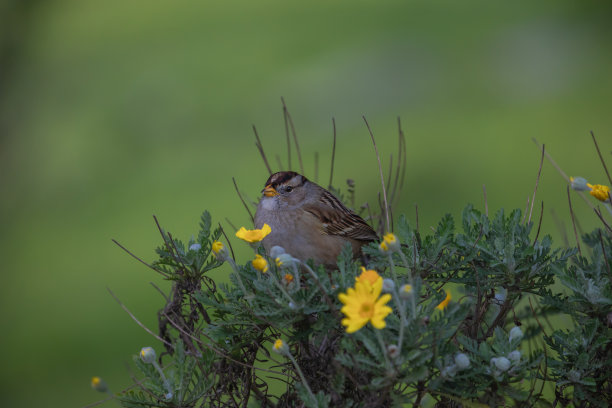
[308,221]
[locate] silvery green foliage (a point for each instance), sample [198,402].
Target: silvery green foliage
[482,349]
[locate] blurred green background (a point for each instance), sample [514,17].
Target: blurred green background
[113,111]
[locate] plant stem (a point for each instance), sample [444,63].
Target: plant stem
[400,304]
[242,287]
[300,373]
[411,282]
[384,348]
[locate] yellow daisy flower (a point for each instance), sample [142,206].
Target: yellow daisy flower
[260,263]
[368,275]
[389,243]
[220,251]
[599,191]
[280,346]
[362,304]
[217,247]
[445,302]
[254,235]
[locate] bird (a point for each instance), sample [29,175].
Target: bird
[308,221]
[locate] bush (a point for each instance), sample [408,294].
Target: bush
[464,307]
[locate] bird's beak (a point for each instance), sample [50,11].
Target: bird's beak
[269,191]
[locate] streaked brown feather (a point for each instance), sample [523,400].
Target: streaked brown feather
[339,220]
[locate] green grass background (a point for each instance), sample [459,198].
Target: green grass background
[113,111]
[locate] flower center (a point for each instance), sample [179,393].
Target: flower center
[367,309]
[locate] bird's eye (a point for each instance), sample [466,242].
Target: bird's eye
[288,189]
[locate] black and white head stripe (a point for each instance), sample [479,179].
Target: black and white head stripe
[283,177]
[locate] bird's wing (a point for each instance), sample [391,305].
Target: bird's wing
[336,219]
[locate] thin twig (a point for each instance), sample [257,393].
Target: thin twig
[390,174]
[295,138]
[176,251]
[261,150]
[550,159]
[539,224]
[598,212]
[561,227]
[168,247]
[525,212]
[138,321]
[228,241]
[601,157]
[210,347]
[160,291]
[536,317]
[279,162]
[140,260]
[400,159]
[287,132]
[537,182]
[331,172]
[569,199]
[231,224]
[95,404]
[382,179]
[243,202]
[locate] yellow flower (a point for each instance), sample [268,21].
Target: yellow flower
[389,243]
[280,347]
[254,235]
[445,302]
[405,291]
[288,278]
[98,384]
[599,191]
[260,263]
[362,305]
[368,275]
[217,247]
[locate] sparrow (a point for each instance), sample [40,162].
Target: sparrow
[308,221]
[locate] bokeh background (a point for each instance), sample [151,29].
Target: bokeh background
[113,111]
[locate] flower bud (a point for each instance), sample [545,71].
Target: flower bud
[515,356]
[220,251]
[276,251]
[515,333]
[405,291]
[260,263]
[389,243]
[288,278]
[388,285]
[579,184]
[368,275]
[147,354]
[449,371]
[462,361]
[195,247]
[286,261]
[99,384]
[500,363]
[600,192]
[393,351]
[280,347]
